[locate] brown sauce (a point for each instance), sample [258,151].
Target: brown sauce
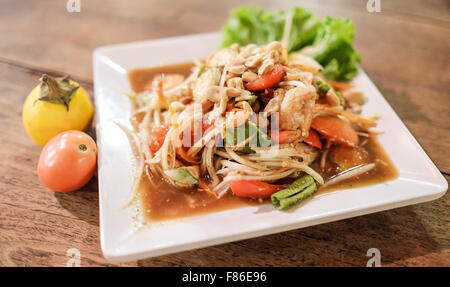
[162,201]
[384,169]
[141,79]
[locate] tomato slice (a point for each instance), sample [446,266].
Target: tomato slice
[253,188]
[267,80]
[347,157]
[286,136]
[341,86]
[157,137]
[336,129]
[186,141]
[313,139]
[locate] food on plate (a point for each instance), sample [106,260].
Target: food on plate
[265,118]
[57,104]
[247,124]
[68,161]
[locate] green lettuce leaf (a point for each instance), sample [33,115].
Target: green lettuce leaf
[328,41]
[333,49]
[252,25]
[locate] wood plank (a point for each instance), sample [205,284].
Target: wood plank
[421,108]
[437,10]
[428,10]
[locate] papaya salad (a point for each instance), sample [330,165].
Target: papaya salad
[257,122]
[252,121]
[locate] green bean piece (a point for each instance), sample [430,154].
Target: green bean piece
[297,191]
[295,187]
[290,201]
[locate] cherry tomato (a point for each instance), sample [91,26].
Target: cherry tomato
[253,188]
[336,129]
[67,162]
[157,137]
[313,139]
[189,137]
[283,137]
[267,80]
[347,157]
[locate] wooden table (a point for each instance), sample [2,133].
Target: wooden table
[405,50]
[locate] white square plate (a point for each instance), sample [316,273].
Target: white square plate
[419,180]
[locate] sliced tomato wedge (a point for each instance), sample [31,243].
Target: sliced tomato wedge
[313,139]
[157,137]
[188,141]
[286,136]
[347,157]
[253,188]
[268,80]
[336,129]
[341,86]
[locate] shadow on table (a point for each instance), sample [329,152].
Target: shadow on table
[82,203]
[399,234]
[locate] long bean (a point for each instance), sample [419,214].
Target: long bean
[296,192]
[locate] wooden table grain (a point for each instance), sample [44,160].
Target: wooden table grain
[405,51]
